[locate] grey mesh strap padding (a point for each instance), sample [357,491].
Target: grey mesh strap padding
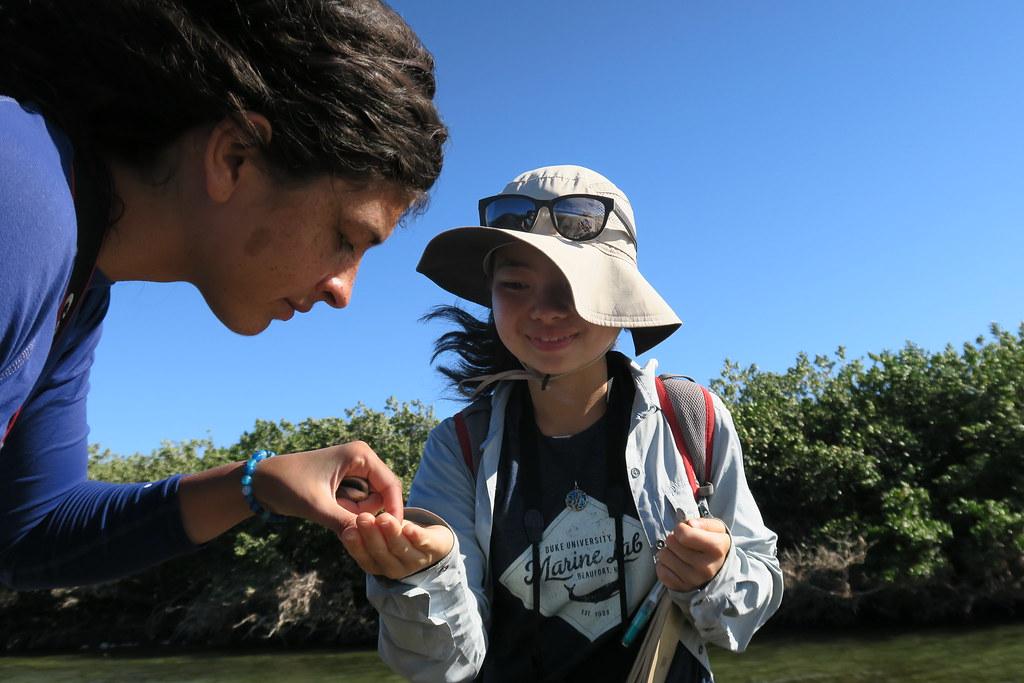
[691,407]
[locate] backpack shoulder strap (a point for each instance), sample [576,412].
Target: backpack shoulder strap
[690,412]
[91,231]
[89,240]
[471,425]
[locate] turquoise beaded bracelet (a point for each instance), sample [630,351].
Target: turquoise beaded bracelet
[247,474]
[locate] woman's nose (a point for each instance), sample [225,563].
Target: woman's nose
[336,290]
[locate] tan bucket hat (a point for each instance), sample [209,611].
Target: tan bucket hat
[607,288]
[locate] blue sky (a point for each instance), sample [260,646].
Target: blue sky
[804,175]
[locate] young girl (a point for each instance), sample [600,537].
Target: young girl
[513,575]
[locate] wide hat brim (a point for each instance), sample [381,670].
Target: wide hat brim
[607,288]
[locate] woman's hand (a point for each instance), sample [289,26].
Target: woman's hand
[693,553]
[307,485]
[387,546]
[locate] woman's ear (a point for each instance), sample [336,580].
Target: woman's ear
[230,147]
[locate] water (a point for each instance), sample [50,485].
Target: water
[994,654]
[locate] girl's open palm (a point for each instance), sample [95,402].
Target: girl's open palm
[385,546]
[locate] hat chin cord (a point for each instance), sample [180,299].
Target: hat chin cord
[526,373]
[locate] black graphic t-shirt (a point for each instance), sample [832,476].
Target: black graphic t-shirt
[580,629]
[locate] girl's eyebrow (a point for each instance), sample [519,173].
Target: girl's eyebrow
[509,263]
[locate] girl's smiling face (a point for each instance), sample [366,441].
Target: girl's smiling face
[535,316]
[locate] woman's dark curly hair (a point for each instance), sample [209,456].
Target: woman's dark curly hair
[476,343]
[346,85]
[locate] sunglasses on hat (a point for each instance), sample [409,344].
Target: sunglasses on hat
[577,217]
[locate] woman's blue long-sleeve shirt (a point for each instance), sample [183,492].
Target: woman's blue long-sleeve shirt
[57,527]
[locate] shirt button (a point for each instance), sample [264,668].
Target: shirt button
[635,472]
[700,649]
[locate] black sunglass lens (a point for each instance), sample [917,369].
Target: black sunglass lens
[579,218]
[510,213]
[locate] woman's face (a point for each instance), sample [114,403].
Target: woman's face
[273,250]
[535,316]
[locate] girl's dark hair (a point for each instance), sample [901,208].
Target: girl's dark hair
[346,85]
[477,345]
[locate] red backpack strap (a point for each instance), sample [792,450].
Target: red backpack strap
[471,425]
[690,412]
[10,425]
[463,433]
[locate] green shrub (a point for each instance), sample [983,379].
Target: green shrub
[919,454]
